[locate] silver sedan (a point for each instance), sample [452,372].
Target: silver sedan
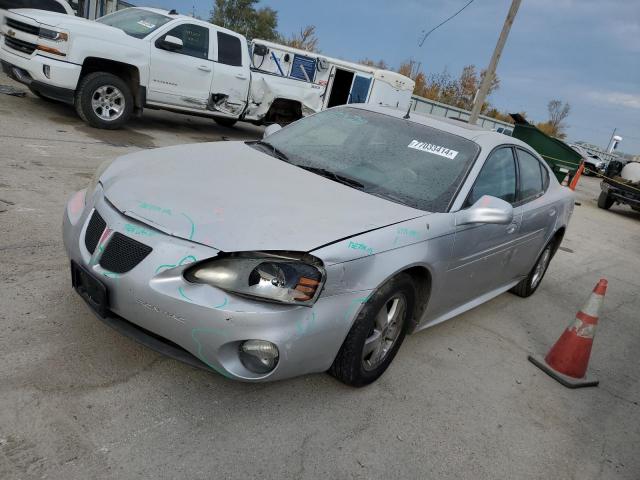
[317,248]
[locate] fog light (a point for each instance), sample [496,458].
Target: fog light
[259,356]
[46,69]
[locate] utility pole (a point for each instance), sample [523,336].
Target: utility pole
[491,70]
[611,139]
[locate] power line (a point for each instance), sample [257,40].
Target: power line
[445,21]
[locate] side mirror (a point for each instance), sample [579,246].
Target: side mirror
[171,43]
[271,129]
[487,209]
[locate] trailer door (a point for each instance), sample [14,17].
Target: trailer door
[360,89]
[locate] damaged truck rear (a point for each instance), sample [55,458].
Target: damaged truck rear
[138,58]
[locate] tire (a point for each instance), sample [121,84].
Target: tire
[529,285]
[225,122]
[110,89]
[605,201]
[351,366]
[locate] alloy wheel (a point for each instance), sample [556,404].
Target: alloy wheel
[541,267]
[108,102]
[385,332]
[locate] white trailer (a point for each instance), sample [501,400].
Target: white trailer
[342,82]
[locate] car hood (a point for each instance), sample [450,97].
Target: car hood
[233,197]
[60,20]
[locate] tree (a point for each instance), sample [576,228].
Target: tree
[243,17]
[555,126]
[305,40]
[372,63]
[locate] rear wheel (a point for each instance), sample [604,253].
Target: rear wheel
[605,201]
[529,285]
[104,100]
[377,333]
[225,122]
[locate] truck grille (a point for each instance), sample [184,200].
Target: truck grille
[123,253]
[94,231]
[23,27]
[19,45]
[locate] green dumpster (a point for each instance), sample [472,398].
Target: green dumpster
[559,156]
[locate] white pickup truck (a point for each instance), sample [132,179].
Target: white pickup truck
[139,58]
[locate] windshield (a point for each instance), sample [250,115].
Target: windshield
[135,22]
[387,156]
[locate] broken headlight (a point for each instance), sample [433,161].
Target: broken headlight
[288,278]
[54,35]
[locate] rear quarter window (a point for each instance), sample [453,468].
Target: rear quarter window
[229,50]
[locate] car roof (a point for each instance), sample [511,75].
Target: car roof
[487,139]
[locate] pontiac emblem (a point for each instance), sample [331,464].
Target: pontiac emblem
[11,33]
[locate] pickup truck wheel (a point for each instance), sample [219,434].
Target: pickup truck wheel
[104,100]
[605,201]
[225,122]
[376,334]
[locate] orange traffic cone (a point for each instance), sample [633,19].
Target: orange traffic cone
[568,359]
[576,177]
[565,182]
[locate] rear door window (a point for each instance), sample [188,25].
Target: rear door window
[229,50]
[531,178]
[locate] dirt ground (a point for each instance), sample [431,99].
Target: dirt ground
[78,400]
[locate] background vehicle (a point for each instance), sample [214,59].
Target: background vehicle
[148,58]
[592,162]
[340,234]
[59,6]
[621,185]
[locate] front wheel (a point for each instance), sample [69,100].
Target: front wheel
[377,333]
[605,201]
[104,100]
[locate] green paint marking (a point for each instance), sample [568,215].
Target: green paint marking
[183,261]
[136,230]
[193,226]
[155,208]
[200,355]
[226,300]
[182,294]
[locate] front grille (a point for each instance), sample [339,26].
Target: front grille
[94,231]
[23,27]
[123,253]
[19,45]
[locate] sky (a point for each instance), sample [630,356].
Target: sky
[585,52]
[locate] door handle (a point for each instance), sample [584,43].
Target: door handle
[512,228]
[241,77]
[204,68]
[552,212]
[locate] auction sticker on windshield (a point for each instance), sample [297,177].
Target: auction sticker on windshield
[146,24]
[431,148]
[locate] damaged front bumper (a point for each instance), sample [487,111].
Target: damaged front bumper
[200,324]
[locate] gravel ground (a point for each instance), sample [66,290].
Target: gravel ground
[78,400]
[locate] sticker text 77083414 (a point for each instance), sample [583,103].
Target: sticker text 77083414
[435,149]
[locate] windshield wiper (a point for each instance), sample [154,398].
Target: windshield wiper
[334,176]
[276,152]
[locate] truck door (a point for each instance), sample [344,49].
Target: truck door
[181,75]
[230,84]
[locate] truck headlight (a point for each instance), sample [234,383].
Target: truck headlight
[293,278]
[53,35]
